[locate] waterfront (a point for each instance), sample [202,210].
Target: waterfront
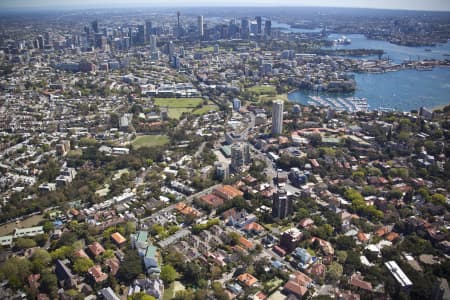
[403,90]
[394,52]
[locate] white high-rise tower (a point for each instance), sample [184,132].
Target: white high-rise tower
[277,117]
[200,26]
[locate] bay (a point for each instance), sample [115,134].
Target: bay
[396,53]
[404,90]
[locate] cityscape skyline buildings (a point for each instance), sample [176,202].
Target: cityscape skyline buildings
[433,5]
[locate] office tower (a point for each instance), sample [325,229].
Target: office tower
[47,38]
[277,117]
[200,26]
[175,62]
[148,29]
[94,25]
[224,33]
[153,43]
[245,29]
[281,205]
[87,30]
[259,24]
[40,42]
[170,49]
[141,35]
[178,24]
[268,28]
[98,41]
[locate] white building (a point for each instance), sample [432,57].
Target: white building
[277,117]
[30,231]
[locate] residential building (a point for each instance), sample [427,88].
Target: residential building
[282,204]
[277,117]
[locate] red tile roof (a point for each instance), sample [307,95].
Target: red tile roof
[97,274]
[246,243]
[247,279]
[295,288]
[355,280]
[96,248]
[118,238]
[228,192]
[212,200]
[253,226]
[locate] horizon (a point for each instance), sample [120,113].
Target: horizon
[33,5]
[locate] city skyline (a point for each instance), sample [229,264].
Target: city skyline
[433,5]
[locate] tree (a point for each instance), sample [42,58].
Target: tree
[194,273]
[438,199]
[234,237]
[219,292]
[49,285]
[334,271]
[24,243]
[141,296]
[40,259]
[168,274]
[341,256]
[67,239]
[82,265]
[62,252]
[345,243]
[315,139]
[15,270]
[131,267]
[184,295]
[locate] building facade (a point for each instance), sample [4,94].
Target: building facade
[277,117]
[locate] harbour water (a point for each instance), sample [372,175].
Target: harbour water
[394,52]
[403,90]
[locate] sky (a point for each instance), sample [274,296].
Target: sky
[441,5]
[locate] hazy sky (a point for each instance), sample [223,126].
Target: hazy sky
[389,4]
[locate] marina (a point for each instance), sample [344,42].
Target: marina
[352,104]
[403,91]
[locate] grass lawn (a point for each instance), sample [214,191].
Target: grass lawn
[274,284]
[178,106]
[174,287]
[207,49]
[175,113]
[150,141]
[75,152]
[266,98]
[205,109]
[178,102]
[262,89]
[103,192]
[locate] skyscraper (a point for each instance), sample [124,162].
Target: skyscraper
[141,34]
[94,25]
[281,204]
[277,117]
[200,26]
[245,28]
[178,24]
[259,24]
[268,28]
[148,29]
[153,43]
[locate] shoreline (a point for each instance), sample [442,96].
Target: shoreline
[440,107]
